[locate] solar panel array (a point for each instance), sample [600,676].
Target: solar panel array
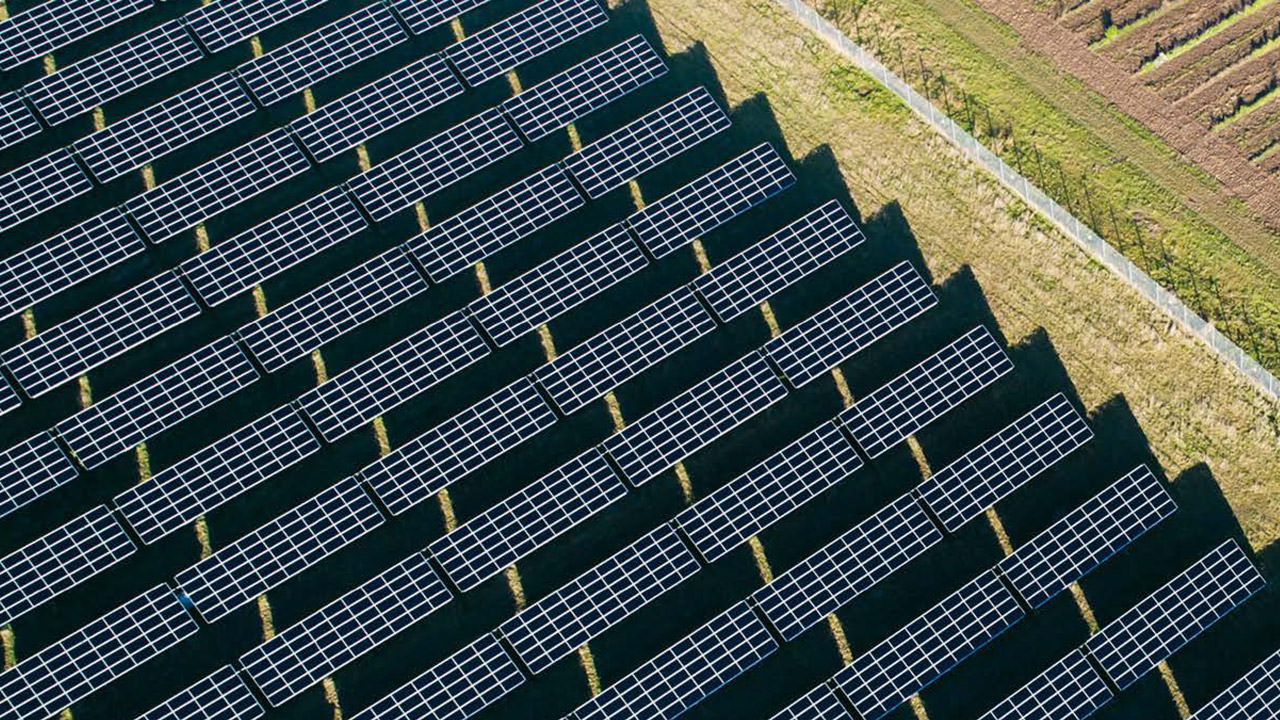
[220,696]
[840,330]
[351,299]
[40,185]
[711,200]
[69,349]
[587,86]
[846,567]
[1175,614]
[65,260]
[680,676]
[457,687]
[599,598]
[59,560]
[1069,689]
[1087,536]
[532,517]
[163,127]
[51,25]
[1255,695]
[422,16]
[769,491]
[557,285]
[819,703]
[646,142]
[451,450]
[299,64]
[222,24]
[106,75]
[119,422]
[586,371]
[697,416]
[279,549]
[1005,461]
[16,121]
[915,398]
[527,34]
[89,658]
[914,656]
[31,469]
[345,629]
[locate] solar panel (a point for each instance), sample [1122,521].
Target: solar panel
[93,337]
[1070,689]
[646,142]
[345,629]
[684,674]
[40,185]
[694,418]
[65,259]
[927,647]
[712,200]
[163,127]
[106,75]
[59,560]
[273,246]
[458,446]
[31,469]
[495,223]
[288,69]
[457,687]
[819,703]
[221,183]
[780,260]
[523,36]
[527,520]
[769,491]
[599,598]
[377,107]
[847,567]
[1175,614]
[422,15]
[584,88]
[440,160]
[50,25]
[1004,462]
[220,696]
[392,376]
[1255,695]
[926,392]
[557,285]
[279,549]
[846,326]
[16,121]
[345,302]
[624,350]
[211,476]
[9,399]
[161,400]
[89,658]
[224,23]
[1085,537]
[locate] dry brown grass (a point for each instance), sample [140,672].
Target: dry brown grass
[1192,408]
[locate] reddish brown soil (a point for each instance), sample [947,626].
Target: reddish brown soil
[1258,130]
[1090,20]
[1167,31]
[1181,76]
[1225,94]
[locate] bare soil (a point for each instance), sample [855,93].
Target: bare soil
[1166,31]
[1094,19]
[1241,85]
[1180,76]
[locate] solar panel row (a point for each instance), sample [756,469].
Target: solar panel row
[421,16]
[220,696]
[457,687]
[40,185]
[280,549]
[522,36]
[680,676]
[1255,695]
[48,26]
[8,396]
[345,629]
[902,406]
[1069,689]
[1005,462]
[17,123]
[75,346]
[1175,614]
[819,703]
[89,658]
[222,24]
[31,469]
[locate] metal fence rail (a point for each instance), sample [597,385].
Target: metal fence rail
[1099,248]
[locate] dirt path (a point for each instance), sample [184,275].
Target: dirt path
[1040,34]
